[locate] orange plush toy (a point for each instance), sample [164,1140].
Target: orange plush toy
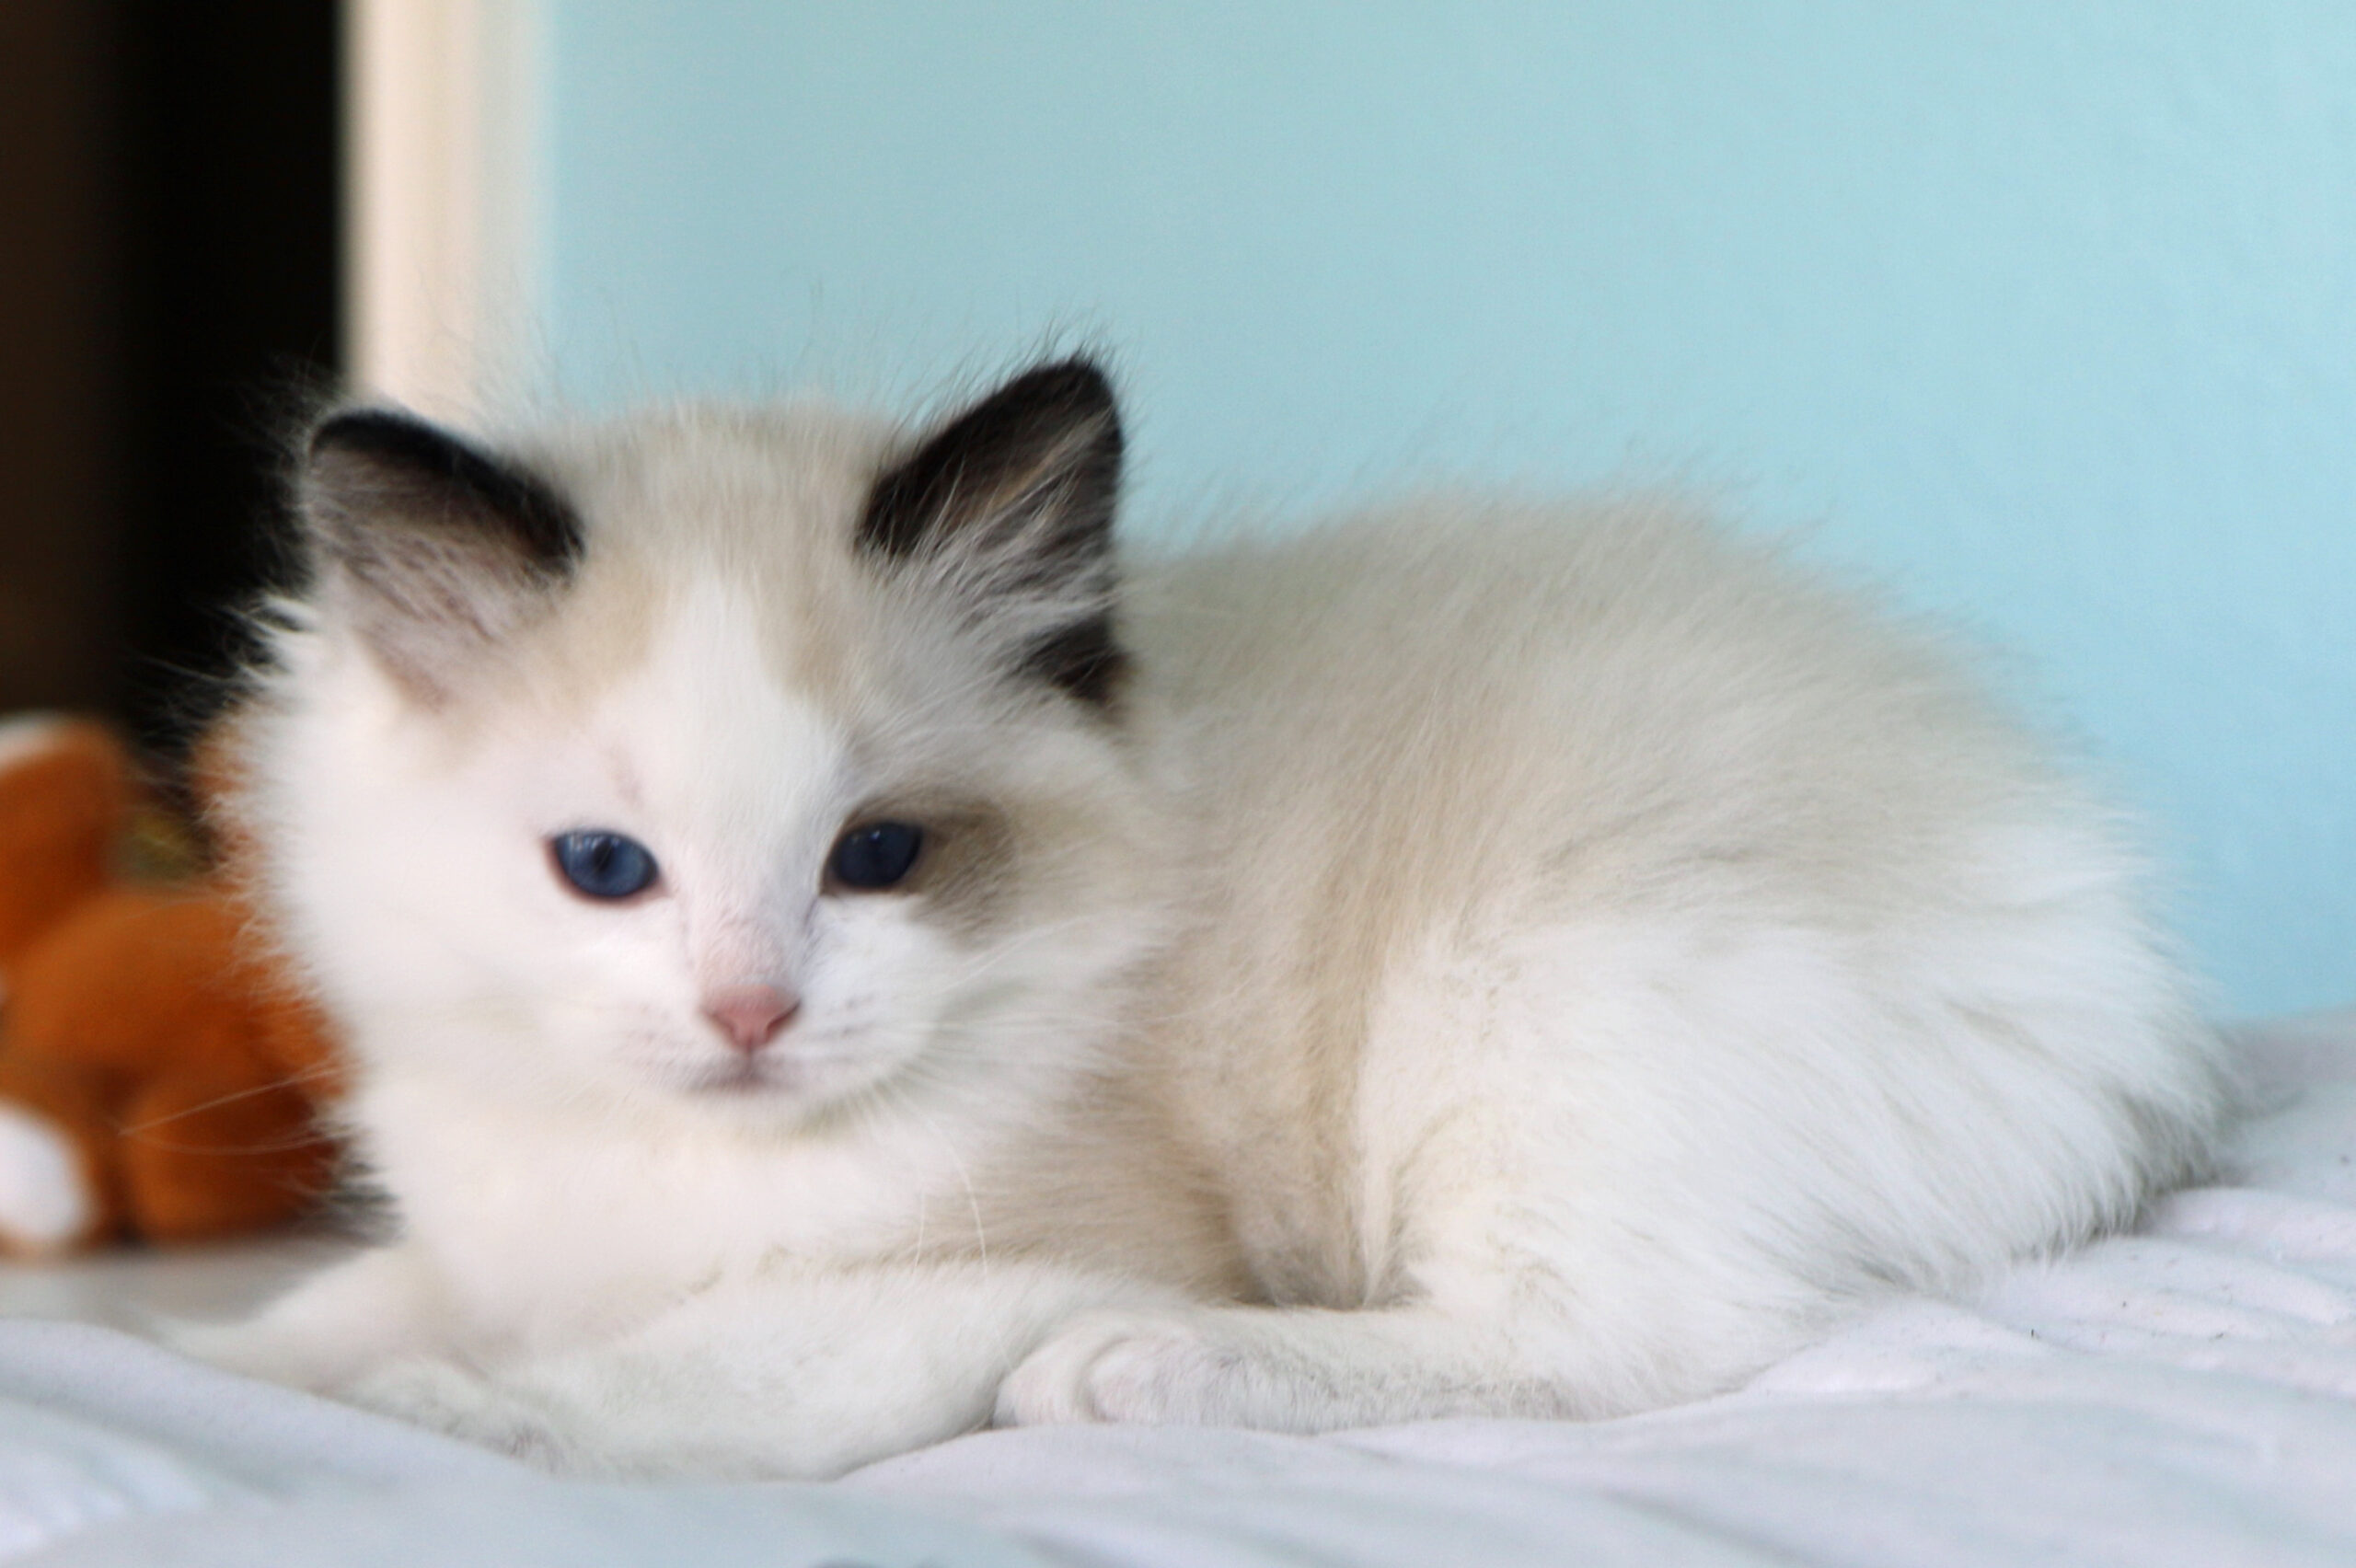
[156,1080]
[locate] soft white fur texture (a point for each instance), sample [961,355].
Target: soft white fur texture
[1495,958]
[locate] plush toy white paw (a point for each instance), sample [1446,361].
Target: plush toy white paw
[46,1204]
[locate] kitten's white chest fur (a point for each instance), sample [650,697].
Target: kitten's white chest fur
[1474,958]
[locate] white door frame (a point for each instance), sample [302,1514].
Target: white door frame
[444,200]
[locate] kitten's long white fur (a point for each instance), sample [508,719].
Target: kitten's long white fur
[1504,959]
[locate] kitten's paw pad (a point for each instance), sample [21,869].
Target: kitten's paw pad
[443,1397]
[1123,1366]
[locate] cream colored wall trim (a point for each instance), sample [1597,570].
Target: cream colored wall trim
[443,203]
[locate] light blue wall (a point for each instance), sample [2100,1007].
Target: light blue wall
[2045,313]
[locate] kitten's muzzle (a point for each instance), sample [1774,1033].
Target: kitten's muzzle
[751,1016]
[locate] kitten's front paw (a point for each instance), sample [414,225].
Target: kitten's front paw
[1125,1366]
[447,1397]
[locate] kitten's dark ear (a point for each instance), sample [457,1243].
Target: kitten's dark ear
[433,549]
[1010,505]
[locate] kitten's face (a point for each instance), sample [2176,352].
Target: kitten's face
[749,804]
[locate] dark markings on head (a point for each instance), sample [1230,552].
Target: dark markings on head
[434,549]
[1083,659]
[1016,496]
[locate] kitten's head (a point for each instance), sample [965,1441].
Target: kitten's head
[767,763]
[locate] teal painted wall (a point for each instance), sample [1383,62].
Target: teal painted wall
[2043,314]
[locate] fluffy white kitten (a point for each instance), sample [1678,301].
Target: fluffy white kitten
[830,957]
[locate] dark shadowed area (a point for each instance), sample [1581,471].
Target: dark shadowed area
[168,295]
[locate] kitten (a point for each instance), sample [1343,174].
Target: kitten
[833,955]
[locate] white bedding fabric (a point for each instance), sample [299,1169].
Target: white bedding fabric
[2184,1395]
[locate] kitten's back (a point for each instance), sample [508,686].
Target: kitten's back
[1599,861]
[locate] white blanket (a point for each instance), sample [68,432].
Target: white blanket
[2183,1395]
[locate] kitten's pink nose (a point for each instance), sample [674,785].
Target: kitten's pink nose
[750,1015]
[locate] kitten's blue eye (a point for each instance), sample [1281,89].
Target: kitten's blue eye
[875,855]
[603,865]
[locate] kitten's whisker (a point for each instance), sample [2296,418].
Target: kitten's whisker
[964,1180]
[291,1080]
[281,1145]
